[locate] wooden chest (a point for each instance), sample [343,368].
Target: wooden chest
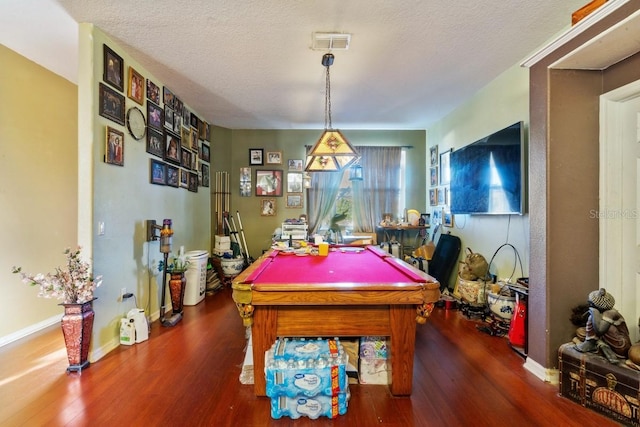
[591,381]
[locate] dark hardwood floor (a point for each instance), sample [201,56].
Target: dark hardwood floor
[188,375]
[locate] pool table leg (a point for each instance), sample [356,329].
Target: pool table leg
[402,345]
[263,335]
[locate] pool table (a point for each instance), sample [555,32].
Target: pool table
[351,292]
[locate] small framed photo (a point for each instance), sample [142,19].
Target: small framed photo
[256,156]
[168,118]
[204,170]
[245,174]
[245,189]
[433,197]
[202,130]
[173,176]
[294,200]
[184,178]
[172,148]
[178,106]
[167,97]
[267,207]
[294,182]
[274,157]
[186,117]
[158,172]
[205,152]
[113,68]
[441,196]
[177,122]
[185,158]
[445,171]
[193,137]
[433,151]
[114,150]
[434,176]
[193,182]
[155,144]
[195,121]
[154,116]
[269,183]
[153,92]
[447,219]
[111,104]
[295,165]
[136,86]
[184,137]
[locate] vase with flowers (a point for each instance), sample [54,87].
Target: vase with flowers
[74,285]
[176,268]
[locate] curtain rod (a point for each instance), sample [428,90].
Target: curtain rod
[388,146]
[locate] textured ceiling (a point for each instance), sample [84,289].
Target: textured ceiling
[248,64]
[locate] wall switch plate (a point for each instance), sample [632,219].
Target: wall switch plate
[101,228]
[122,292]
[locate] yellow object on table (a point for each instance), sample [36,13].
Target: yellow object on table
[323,249]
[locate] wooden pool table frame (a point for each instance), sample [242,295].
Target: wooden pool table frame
[344,310]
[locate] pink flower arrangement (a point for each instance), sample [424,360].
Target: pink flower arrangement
[73,284]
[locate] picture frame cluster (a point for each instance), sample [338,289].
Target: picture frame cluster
[439,178]
[270,182]
[175,137]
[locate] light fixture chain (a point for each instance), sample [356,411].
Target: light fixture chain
[327,102]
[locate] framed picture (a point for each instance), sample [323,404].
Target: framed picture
[294,182]
[167,97]
[204,170]
[186,117]
[194,121]
[193,182]
[202,130]
[178,107]
[269,183]
[168,118]
[256,156]
[136,86]
[153,92]
[154,116]
[194,161]
[274,157]
[184,137]
[177,122]
[447,219]
[173,176]
[114,149]
[155,144]
[441,196]
[205,152]
[113,68]
[111,104]
[434,155]
[267,207]
[445,170]
[193,137]
[184,178]
[172,148]
[185,158]
[245,174]
[158,172]
[294,200]
[245,189]
[295,165]
[434,176]
[433,197]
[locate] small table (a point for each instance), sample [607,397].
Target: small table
[348,293]
[400,230]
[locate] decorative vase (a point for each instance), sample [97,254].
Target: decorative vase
[77,327]
[177,285]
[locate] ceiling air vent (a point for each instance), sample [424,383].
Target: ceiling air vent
[331,41]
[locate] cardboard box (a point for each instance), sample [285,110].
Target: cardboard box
[590,380]
[222,242]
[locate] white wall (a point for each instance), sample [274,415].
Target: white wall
[499,104]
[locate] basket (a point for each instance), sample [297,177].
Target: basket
[472,291]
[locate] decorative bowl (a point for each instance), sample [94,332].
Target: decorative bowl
[501,305]
[232,266]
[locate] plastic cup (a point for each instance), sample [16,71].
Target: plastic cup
[323,249]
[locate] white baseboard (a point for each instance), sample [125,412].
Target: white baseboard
[547,375]
[32,329]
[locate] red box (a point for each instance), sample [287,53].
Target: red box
[590,380]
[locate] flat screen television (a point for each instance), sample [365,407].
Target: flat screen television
[488,176]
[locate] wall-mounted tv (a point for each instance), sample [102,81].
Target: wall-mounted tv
[488,176]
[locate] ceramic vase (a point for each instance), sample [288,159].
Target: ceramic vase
[77,327]
[177,285]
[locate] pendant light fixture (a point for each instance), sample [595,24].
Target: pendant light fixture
[332,152]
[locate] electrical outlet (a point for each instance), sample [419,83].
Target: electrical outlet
[122,292]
